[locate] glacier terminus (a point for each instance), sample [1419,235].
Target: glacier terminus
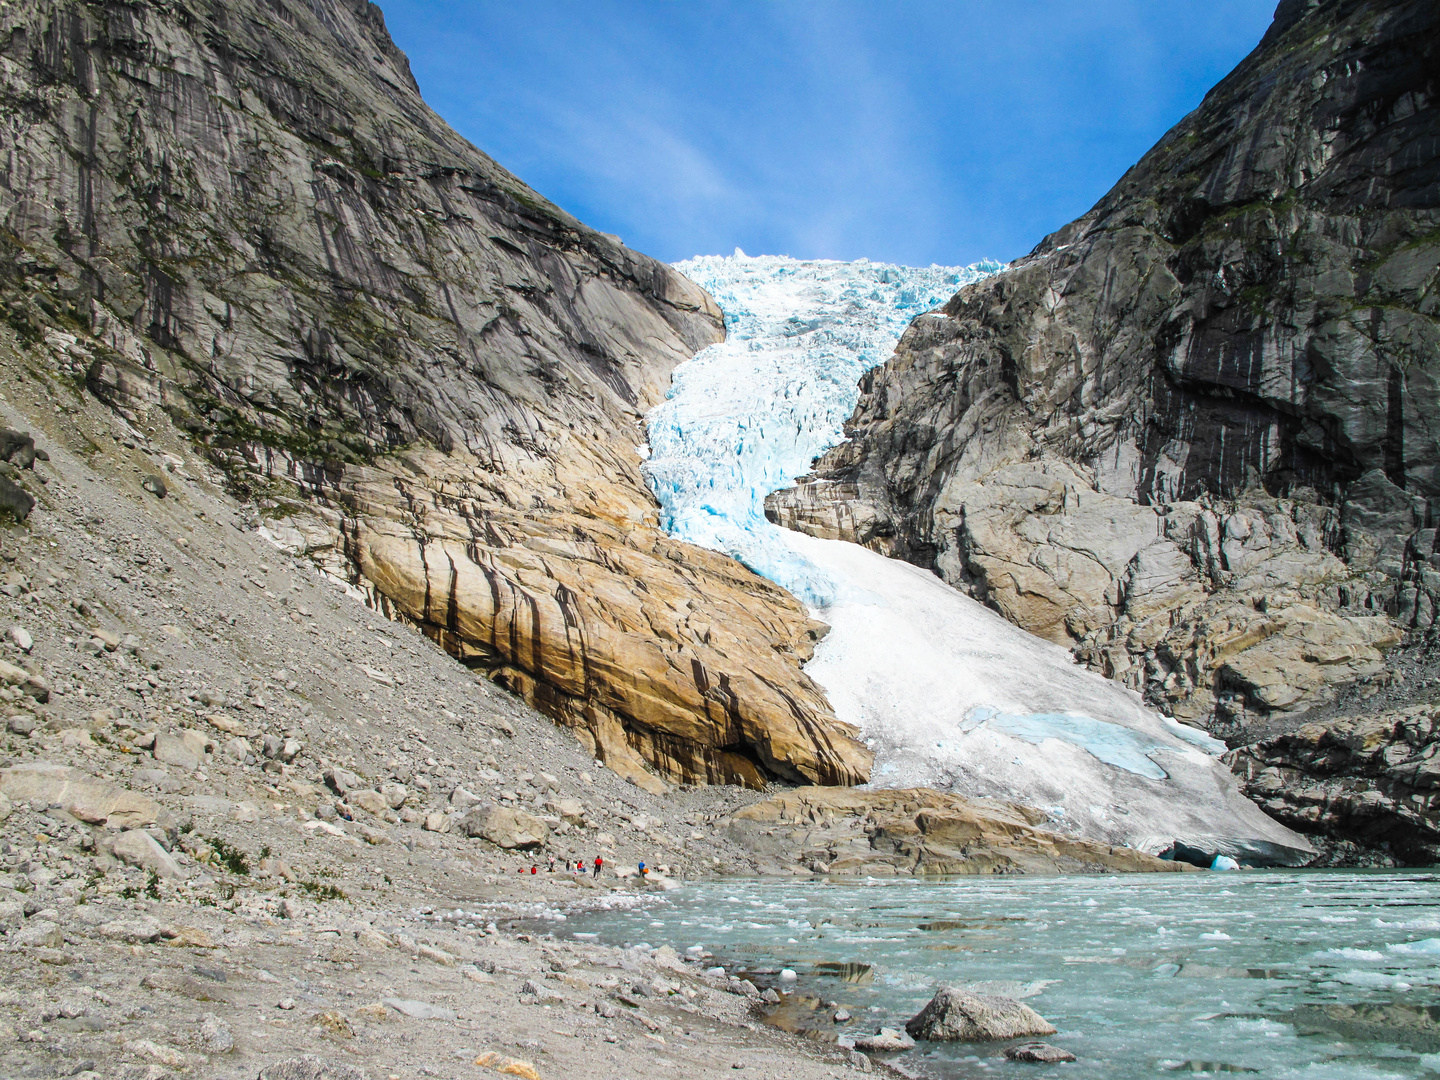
[945,691]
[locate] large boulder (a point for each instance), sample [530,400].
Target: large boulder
[138,848]
[958,1015]
[505,826]
[92,800]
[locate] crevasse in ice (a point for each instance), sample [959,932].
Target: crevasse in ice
[945,691]
[747,416]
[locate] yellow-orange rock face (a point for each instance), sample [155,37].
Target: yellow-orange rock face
[657,653]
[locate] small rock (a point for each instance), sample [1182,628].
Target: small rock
[419,1010]
[461,799]
[341,781]
[173,751]
[334,1023]
[955,1014]
[372,802]
[788,975]
[507,1065]
[37,933]
[154,484]
[1038,1052]
[286,1004]
[770,997]
[859,1061]
[841,1016]
[435,821]
[20,724]
[15,499]
[21,637]
[165,1055]
[215,1035]
[394,795]
[131,931]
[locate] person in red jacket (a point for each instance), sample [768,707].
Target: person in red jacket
[599,862]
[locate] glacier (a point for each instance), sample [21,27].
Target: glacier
[944,691]
[747,416]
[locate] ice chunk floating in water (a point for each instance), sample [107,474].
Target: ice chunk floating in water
[945,691]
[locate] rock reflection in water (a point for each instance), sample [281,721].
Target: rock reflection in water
[1205,1067]
[858,974]
[1414,1026]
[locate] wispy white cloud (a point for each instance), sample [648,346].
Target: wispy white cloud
[913,132]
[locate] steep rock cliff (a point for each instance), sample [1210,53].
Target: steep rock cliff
[1193,434]
[243,214]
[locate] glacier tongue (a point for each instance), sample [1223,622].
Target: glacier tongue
[748,416]
[946,692]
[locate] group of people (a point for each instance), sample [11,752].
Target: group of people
[596,864]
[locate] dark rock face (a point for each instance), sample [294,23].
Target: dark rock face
[1367,788]
[1191,434]
[242,213]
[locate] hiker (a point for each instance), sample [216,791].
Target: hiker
[596,864]
[533,868]
[643,871]
[580,867]
[552,864]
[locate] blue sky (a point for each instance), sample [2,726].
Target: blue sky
[909,131]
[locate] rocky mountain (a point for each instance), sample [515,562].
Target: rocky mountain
[1192,434]
[243,216]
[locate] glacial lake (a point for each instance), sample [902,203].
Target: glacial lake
[1310,975]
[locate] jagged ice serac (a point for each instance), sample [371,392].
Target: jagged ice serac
[945,691]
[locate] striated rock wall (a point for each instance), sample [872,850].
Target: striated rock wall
[1366,787]
[243,214]
[1191,435]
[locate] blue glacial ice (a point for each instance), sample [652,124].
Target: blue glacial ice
[945,691]
[747,416]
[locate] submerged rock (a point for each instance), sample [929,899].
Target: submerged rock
[957,1015]
[1038,1053]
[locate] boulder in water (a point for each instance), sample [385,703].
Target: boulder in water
[959,1015]
[886,1040]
